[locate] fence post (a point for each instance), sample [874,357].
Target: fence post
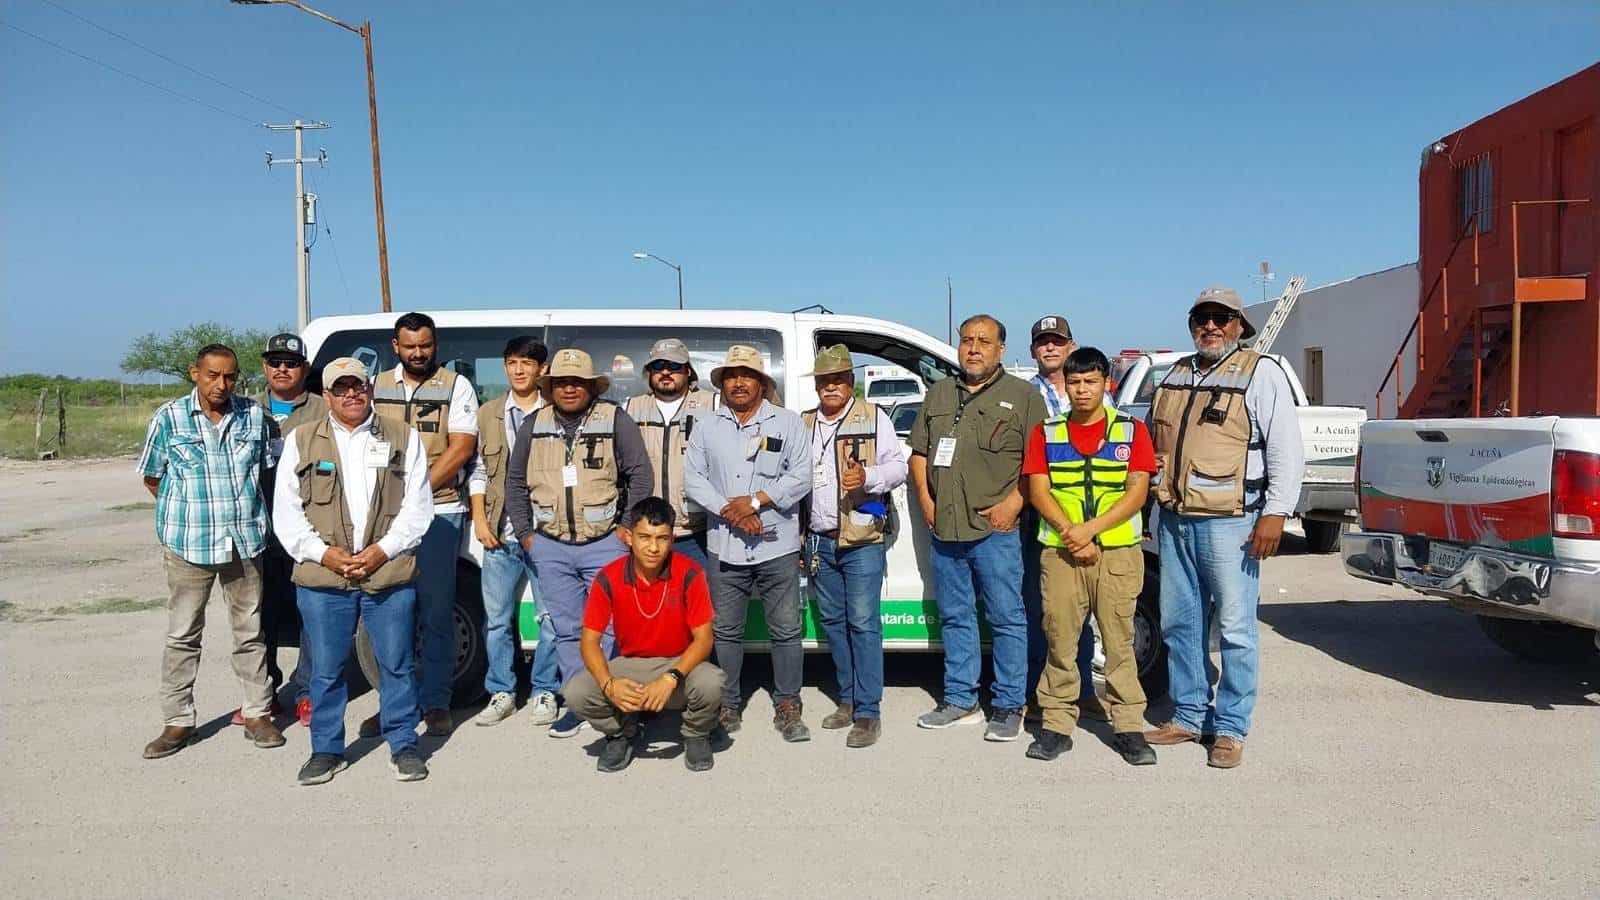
[38,422]
[61,421]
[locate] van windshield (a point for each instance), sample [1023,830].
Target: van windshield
[892,387]
[618,352]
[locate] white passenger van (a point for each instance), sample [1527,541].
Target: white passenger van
[471,343]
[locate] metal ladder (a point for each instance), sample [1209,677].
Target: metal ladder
[1280,314]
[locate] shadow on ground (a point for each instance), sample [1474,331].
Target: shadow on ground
[1431,647]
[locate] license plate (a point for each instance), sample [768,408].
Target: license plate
[1446,557]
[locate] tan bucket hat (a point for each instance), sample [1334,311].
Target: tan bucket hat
[743,357]
[831,361]
[344,367]
[1225,296]
[573,363]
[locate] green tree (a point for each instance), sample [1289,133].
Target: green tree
[173,353]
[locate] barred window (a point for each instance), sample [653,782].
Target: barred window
[1475,194]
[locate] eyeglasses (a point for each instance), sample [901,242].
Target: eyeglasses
[663,365]
[1219,319]
[282,363]
[346,388]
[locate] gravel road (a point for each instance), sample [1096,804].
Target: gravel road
[1396,751]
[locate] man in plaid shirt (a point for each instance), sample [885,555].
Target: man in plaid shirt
[202,462]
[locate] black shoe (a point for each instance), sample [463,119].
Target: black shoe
[697,754]
[616,754]
[408,765]
[1049,745]
[321,768]
[1135,750]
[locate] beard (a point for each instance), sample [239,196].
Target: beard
[1211,355]
[418,371]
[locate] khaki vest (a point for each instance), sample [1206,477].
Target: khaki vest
[322,494]
[665,443]
[428,411]
[496,456]
[589,510]
[308,409]
[1203,438]
[856,438]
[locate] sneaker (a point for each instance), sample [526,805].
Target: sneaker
[729,719]
[1135,750]
[863,733]
[302,711]
[568,725]
[321,768]
[1005,724]
[697,754]
[786,718]
[840,717]
[500,708]
[408,765]
[616,754]
[944,715]
[542,708]
[1049,745]
[437,723]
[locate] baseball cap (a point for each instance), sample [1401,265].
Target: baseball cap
[669,350]
[343,367]
[1056,325]
[285,343]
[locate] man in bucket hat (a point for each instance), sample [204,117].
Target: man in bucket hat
[667,415]
[855,463]
[748,467]
[1230,410]
[577,465]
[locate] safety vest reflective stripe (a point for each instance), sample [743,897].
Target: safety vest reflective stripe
[1085,487]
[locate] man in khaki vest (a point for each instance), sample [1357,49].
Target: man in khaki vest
[505,564]
[351,504]
[855,463]
[288,405]
[1227,441]
[443,408]
[577,466]
[666,417]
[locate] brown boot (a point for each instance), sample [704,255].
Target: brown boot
[1170,733]
[1225,753]
[437,722]
[171,739]
[261,732]
[786,718]
[839,718]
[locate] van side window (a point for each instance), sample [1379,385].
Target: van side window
[621,351]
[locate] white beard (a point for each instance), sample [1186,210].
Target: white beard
[1212,356]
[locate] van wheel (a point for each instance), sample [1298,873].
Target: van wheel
[1149,650]
[472,657]
[1322,537]
[1540,641]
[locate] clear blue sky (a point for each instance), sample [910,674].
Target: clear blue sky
[1100,163]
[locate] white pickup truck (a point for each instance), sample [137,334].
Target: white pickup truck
[1329,434]
[1498,516]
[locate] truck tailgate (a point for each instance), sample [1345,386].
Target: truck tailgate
[1466,481]
[1330,435]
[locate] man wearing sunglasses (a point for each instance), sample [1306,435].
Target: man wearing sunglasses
[1227,441]
[666,416]
[288,405]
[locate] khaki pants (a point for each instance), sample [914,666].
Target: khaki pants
[190,587]
[699,696]
[1110,588]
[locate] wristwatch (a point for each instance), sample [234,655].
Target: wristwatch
[676,675]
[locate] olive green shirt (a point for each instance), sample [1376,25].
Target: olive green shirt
[991,431]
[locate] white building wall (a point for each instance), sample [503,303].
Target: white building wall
[1358,323]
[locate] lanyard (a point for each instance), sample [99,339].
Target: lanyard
[833,438]
[963,397]
[572,442]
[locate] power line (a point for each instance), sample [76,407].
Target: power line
[180,64]
[333,243]
[126,74]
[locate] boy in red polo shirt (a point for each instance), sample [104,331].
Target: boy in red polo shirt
[657,605]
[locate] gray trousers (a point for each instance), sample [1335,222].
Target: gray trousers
[190,587]
[699,696]
[777,583]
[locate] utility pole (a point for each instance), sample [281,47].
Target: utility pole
[302,217]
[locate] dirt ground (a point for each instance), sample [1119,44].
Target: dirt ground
[1395,751]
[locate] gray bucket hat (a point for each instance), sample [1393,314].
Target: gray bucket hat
[1226,297]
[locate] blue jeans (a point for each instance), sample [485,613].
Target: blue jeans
[996,564]
[565,573]
[330,626]
[1206,571]
[545,677]
[1033,601]
[436,598]
[504,568]
[848,587]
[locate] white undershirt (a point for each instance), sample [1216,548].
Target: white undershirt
[669,408]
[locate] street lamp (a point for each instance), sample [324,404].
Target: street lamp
[643,255]
[372,117]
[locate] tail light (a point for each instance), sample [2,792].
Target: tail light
[1575,495]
